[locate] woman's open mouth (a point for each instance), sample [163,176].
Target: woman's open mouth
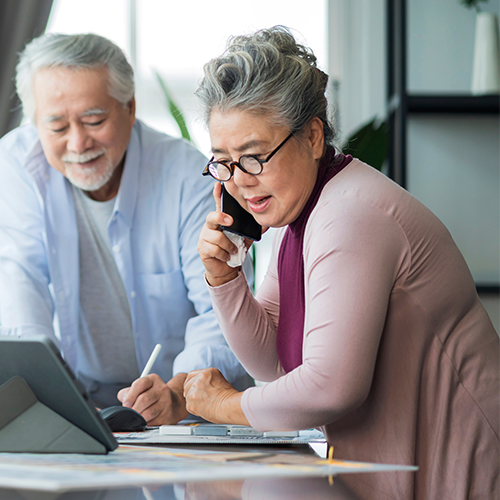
[258,204]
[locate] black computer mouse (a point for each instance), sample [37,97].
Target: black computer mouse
[123,419]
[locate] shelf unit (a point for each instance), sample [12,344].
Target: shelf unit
[401,103]
[459,104]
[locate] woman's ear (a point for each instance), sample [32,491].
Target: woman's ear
[316,138]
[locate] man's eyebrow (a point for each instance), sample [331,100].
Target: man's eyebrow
[244,147]
[88,112]
[52,118]
[94,112]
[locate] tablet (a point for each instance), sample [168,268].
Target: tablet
[37,360]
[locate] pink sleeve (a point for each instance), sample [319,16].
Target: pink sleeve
[249,325]
[353,254]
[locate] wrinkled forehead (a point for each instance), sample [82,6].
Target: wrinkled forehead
[262,114]
[241,131]
[75,74]
[59,90]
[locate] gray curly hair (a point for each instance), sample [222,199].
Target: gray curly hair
[73,51]
[267,73]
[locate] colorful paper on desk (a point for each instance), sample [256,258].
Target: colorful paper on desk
[141,466]
[217,434]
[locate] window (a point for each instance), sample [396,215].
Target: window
[177,39]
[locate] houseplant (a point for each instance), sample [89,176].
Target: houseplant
[369,143]
[173,109]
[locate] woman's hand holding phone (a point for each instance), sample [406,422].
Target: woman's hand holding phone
[214,247]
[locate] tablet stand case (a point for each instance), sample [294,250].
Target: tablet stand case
[29,426]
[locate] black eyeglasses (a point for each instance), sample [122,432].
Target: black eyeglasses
[250,164]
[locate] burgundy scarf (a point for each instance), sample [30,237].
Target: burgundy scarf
[290,333]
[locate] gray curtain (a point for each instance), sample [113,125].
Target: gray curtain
[20,21]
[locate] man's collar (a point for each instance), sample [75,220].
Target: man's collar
[129,183]
[33,165]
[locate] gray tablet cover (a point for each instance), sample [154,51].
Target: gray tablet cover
[37,360]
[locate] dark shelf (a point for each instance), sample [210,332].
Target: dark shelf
[402,104]
[488,289]
[462,104]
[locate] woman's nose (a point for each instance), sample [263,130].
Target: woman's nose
[241,178]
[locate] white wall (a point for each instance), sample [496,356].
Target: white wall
[453,169]
[357,59]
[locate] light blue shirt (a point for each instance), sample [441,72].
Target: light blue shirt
[158,214]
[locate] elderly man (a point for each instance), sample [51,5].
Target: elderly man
[99,222]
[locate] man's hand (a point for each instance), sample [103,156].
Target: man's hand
[209,395]
[158,402]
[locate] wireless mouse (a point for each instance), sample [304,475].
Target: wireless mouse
[123,419]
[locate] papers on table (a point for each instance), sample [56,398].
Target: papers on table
[233,431]
[217,434]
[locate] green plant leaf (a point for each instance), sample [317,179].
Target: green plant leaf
[173,109]
[369,143]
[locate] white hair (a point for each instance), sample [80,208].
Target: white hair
[73,51]
[268,73]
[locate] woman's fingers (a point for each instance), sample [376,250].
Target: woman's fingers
[226,219]
[189,380]
[209,395]
[211,251]
[215,220]
[214,246]
[217,196]
[212,234]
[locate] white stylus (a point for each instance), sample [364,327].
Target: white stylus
[151,360]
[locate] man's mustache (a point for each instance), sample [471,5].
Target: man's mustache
[83,157]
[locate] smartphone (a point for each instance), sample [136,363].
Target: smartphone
[243,222]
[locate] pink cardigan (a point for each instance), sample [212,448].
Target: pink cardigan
[400,360]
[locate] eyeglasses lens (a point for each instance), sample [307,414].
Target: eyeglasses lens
[219,171]
[251,165]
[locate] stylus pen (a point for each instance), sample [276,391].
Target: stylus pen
[151,360]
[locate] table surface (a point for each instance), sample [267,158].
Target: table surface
[317,488]
[249,489]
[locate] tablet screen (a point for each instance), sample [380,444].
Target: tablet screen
[38,361]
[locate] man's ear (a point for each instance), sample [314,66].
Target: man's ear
[131,109]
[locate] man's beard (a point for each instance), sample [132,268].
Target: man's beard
[88,178]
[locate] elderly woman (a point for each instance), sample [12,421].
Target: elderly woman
[368,323]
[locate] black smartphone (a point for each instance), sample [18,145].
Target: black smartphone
[243,222]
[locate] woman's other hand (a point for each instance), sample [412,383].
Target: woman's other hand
[210,396]
[214,247]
